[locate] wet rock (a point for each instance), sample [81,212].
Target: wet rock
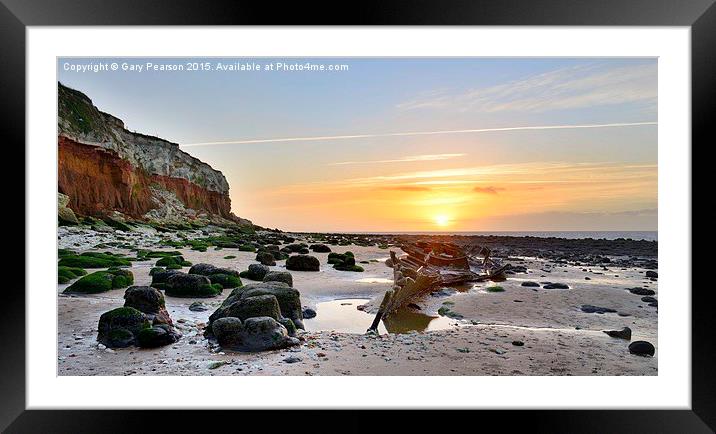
[303,263]
[641,291]
[254,334]
[150,301]
[588,308]
[279,276]
[157,336]
[208,269]
[259,305]
[556,286]
[531,284]
[651,274]
[289,299]
[309,313]
[624,333]
[198,306]
[256,272]
[191,285]
[320,248]
[518,343]
[265,258]
[118,328]
[642,348]
[648,299]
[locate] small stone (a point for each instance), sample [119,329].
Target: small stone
[292,359]
[624,333]
[642,348]
[518,343]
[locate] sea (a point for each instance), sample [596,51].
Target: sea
[573,235]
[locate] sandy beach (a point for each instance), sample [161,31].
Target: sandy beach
[520,331]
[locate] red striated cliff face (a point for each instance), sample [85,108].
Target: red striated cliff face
[104,168]
[97,181]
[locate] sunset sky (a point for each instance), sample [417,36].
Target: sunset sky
[382,146]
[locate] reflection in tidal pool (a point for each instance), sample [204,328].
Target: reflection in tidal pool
[343,316]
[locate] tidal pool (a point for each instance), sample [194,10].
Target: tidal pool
[343,316]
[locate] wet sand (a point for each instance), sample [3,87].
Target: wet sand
[558,338]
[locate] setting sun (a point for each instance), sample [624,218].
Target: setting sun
[442,220]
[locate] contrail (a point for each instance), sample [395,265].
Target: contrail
[416,133]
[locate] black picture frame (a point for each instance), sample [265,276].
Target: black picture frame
[16,15]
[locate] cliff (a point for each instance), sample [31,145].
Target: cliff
[105,169]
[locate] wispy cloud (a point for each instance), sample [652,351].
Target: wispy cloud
[565,88]
[406,188]
[487,190]
[408,159]
[418,133]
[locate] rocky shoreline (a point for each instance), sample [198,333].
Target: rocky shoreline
[551,316]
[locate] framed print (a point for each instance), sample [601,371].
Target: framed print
[460,206]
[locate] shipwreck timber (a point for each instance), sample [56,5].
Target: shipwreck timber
[427,267]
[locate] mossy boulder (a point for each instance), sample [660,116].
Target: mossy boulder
[495,289]
[65,274]
[320,248]
[249,307]
[190,285]
[344,262]
[119,328]
[289,299]
[208,269]
[303,263]
[102,281]
[161,276]
[173,262]
[255,272]
[144,298]
[265,258]
[94,260]
[254,334]
[279,276]
[157,336]
[225,280]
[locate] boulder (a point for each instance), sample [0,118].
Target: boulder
[161,276]
[279,276]
[641,291]
[303,263]
[65,215]
[320,248]
[531,284]
[190,285]
[588,308]
[642,348]
[309,313]
[624,333]
[119,328]
[150,301]
[208,269]
[225,280]
[652,274]
[256,272]
[265,258]
[289,300]
[249,307]
[556,286]
[102,281]
[254,334]
[157,336]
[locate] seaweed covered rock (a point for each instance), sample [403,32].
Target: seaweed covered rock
[94,260]
[295,248]
[255,272]
[265,258]
[303,263]
[160,277]
[279,276]
[249,307]
[190,285]
[344,262]
[149,301]
[225,280]
[173,262]
[102,281]
[320,248]
[208,269]
[119,328]
[65,274]
[158,335]
[289,300]
[254,334]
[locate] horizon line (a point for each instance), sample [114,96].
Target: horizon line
[416,133]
